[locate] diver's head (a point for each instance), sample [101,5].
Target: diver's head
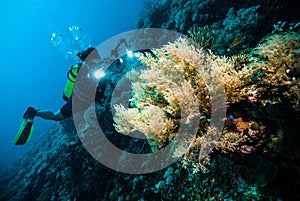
[91,52]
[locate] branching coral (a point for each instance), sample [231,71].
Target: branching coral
[179,85]
[151,121]
[229,142]
[274,70]
[182,82]
[203,36]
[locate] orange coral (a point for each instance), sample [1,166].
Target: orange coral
[240,124]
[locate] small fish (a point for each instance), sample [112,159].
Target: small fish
[236,42]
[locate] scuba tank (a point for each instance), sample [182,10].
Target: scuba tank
[72,74]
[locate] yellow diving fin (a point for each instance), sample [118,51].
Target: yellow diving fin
[26,128]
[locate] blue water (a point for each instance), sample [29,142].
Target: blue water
[33,70]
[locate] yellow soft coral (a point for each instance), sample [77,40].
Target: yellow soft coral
[271,72]
[182,83]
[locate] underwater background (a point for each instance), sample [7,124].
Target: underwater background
[34,69]
[257,159]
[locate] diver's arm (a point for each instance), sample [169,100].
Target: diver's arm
[45,114]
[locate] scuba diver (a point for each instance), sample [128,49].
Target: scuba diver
[65,111]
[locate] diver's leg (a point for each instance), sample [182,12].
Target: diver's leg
[45,114]
[64,112]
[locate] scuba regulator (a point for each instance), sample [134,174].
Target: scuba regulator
[72,74]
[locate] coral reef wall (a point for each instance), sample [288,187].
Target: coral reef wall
[57,168]
[238,24]
[257,154]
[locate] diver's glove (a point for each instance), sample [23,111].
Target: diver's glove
[30,113]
